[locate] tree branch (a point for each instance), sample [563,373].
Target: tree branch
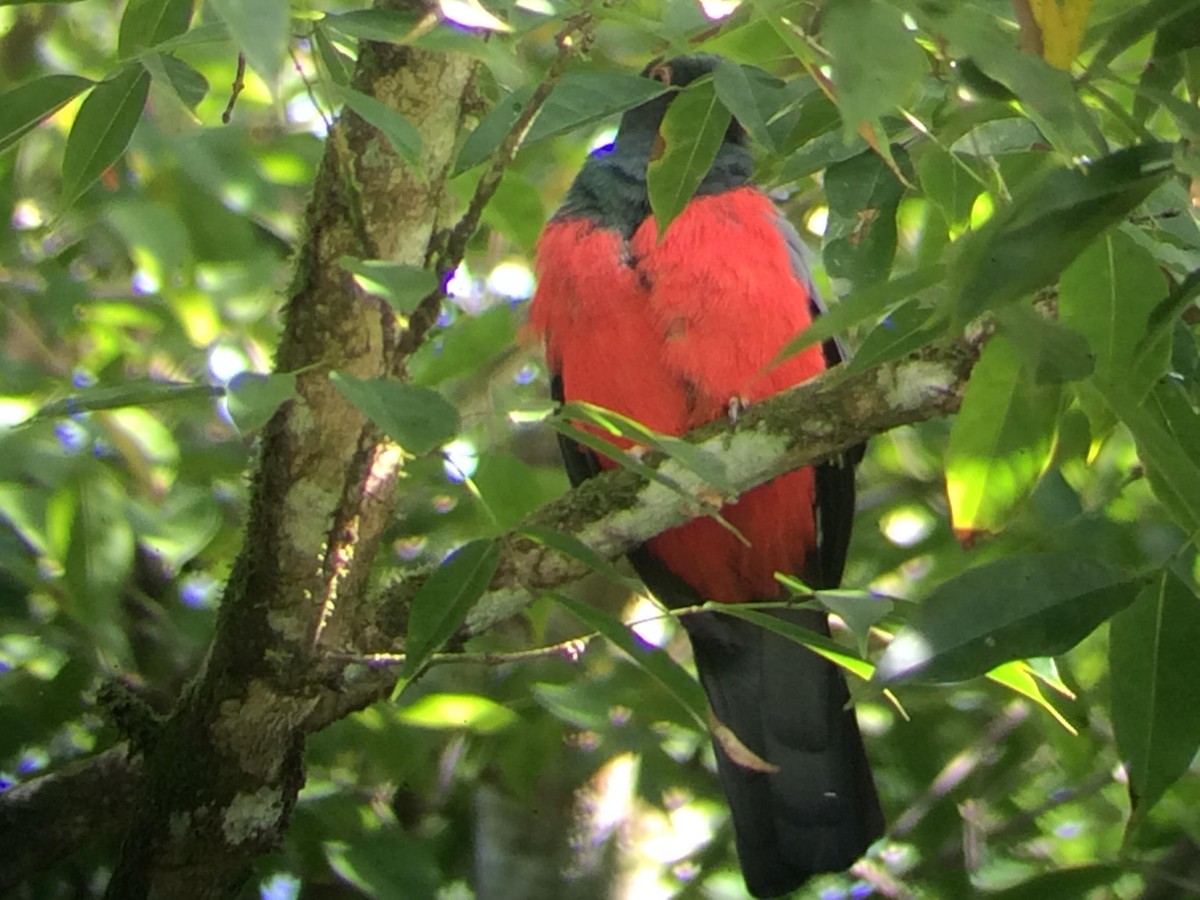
[221,778]
[48,818]
[618,510]
[323,494]
[612,513]
[573,37]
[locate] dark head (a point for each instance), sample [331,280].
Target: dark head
[611,187]
[642,122]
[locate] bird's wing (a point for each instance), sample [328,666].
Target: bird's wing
[835,478]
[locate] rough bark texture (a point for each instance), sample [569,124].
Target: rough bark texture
[44,820]
[618,510]
[216,783]
[222,776]
[612,513]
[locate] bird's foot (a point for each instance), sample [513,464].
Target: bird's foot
[735,407]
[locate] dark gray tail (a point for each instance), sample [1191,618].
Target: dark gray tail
[819,812]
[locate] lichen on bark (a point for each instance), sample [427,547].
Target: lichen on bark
[222,778]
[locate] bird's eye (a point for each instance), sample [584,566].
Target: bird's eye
[660,73]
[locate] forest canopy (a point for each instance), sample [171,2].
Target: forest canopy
[294,598]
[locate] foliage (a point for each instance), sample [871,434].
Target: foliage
[954,161]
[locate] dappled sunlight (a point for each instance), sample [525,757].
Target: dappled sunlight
[1020,584]
[907,526]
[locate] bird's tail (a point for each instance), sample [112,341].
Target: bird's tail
[819,812]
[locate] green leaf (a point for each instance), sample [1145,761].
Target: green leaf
[139,392]
[614,452]
[576,100]
[156,235]
[179,526]
[147,23]
[864,305]
[98,563]
[403,287]
[1172,406]
[251,399]
[516,211]
[1137,22]
[1174,475]
[1046,93]
[385,864]
[468,343]
[469,712]
[570,546]
[1019,678]
[23,509]
[491,131]
[503,59]
[339,66]
[1074,881]
[751,95]
[653,661]
[1012,608]
[1162,320]
[1186,114]
[574,704]
[387,25]
[1177,36]
[691,133]
[707,466]
[952,181]
[906,329]
[1028,243]
[189,85]
[1000,443]
[512,489]
[1108,295]
[22,108]
[585,99]
[1050,351]
[208,33]
[419,419]
[815,116]
[860,610]
[404,138]
[442,603]
[102,130]
[751,41]
[860,238]
[819,153]
[1154,672]
[877,65]
[260,30]
[818,643]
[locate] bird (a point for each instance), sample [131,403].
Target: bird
[675,331]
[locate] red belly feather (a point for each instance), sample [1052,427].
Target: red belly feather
[668,334]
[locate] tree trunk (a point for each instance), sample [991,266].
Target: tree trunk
[222,774]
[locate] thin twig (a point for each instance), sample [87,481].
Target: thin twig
[575,34]
[960,766]
[239,83]
[308,89]
[570,649]
[1023,821]
[447,249]
[385,658]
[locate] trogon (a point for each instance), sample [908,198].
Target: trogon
[676,332]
